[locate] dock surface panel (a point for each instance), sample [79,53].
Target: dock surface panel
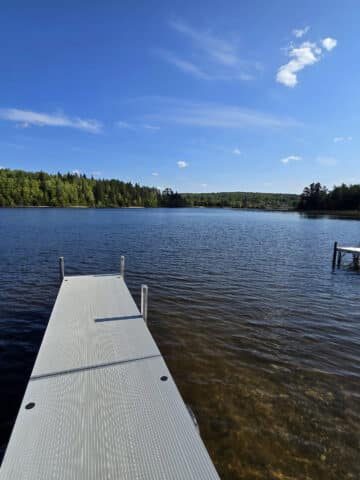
[101,409]
[354,250]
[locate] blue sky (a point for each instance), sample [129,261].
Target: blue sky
[198,96]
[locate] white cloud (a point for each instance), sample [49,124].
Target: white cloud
[300,32]
[96,174]
[155,174]
[76,172]
[213,115]
[151,127]
[305,55]
[204,185]
[182,164]
[329,43]
[27,118]
[342,139]
[290,158]
[326,161]
[236,151]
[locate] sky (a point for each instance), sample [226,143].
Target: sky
[198,96]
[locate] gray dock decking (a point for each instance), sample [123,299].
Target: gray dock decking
[100,402]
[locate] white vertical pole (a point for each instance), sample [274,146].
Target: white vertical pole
[122,266]
[61,268]
[144,302]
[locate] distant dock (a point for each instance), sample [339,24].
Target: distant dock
[339,252]
[101,402]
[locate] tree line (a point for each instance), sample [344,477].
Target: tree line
[25,189]
[20,188]
[273,201]
[318,197]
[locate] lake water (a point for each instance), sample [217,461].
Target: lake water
[262,338]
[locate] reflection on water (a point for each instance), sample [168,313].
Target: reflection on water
[336,215]
[261,336]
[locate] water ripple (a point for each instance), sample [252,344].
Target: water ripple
[261,336]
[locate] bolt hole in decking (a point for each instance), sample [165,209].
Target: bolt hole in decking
[30,405]
[164,378]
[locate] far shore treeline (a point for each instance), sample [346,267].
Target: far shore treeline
[34,189]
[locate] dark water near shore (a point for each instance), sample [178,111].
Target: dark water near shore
[262,338]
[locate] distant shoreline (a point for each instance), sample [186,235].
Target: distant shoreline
[70,207]
[338,213]
[355,214]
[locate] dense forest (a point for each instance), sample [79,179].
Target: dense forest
[318,197]
[273,201]
[19,188]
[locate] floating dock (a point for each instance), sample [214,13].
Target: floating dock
[340,252]
[101,402]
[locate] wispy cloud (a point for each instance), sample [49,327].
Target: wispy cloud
[213,115]
[136,126]
[290,158]
[212,57]
[300,32]
[25,118]
[96,174]
[151,127]
[22,125]
[182,164]
[304,55]
[155,174]
[220,50]
[342,139]
[204,185]
[329,43]
[183,65]
[236,151]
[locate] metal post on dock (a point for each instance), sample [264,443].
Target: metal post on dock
[144,302]
[61,268]
[356,261]
[334,255]
[122,266]
[339,258]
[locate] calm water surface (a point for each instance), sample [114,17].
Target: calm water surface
[262,338]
